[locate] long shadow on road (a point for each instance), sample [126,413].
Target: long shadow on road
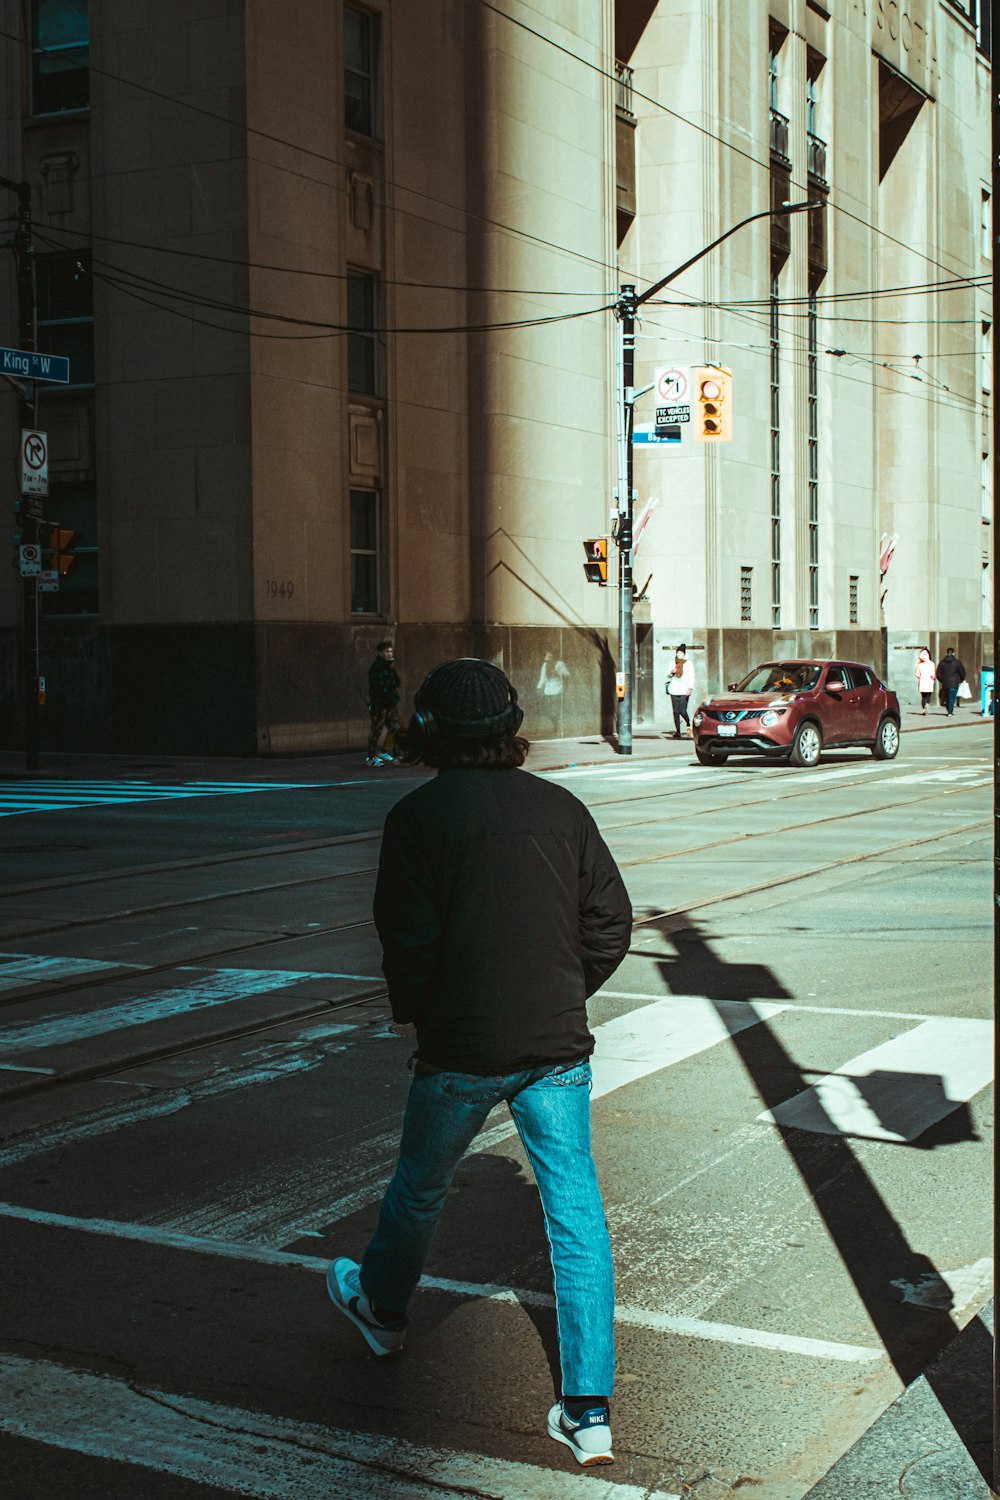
[875,1251]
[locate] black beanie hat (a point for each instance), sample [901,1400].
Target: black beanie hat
[470,699]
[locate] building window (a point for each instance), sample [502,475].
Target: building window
[985,226]
[986,489]
[779,124]
[64,293]
[362,341]
[746,594]
[60,79]
[987,597]
[986,358]
[775,460]
[853,599]
[366,552]
[812,362]
[359,70]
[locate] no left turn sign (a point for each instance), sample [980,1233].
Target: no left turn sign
[672,385]
[34,463]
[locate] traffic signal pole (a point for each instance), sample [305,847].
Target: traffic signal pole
[27,418]
[626,311]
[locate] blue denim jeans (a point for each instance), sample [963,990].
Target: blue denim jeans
[952,698]
[551,1109]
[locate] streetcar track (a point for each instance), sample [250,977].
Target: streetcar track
[97,1071]
[159,908]
[196,961]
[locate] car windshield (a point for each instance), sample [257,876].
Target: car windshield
[780,677]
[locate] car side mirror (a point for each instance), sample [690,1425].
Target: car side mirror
[836,686]
[731,688]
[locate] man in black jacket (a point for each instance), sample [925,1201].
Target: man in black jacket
[950,673]
[383,695]
[500,910]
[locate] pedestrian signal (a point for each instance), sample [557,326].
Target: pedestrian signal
[596,566]
[713,404]
[62,543]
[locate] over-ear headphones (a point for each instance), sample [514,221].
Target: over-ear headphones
[465,717]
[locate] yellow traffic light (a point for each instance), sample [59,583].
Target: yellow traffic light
[596,566]
[62,543]
[712,417]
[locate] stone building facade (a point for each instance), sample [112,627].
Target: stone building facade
[337,282]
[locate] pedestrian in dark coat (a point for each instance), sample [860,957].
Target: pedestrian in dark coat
[950,673]
[500,911]
[383,695]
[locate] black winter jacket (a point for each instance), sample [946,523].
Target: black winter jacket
[383,685]
[500,909]
[950,671]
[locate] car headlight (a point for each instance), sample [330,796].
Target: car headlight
[769,718]
[697,720]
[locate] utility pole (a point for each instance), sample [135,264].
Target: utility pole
[626,309]
[993,15]
[27,418]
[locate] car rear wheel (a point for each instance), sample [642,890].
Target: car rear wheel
[807,745]
[886,740]
[710,757]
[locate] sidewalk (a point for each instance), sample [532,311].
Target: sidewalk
[546,755]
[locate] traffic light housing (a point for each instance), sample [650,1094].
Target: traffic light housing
[712,414]
[596,566]
[62,543]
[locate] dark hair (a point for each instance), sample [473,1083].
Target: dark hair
[446,752]
[383,645]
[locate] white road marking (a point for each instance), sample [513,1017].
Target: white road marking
[296,1201]
[819,1010]
[667,1032]
[896,1091]
[17,969]
[250,1453]
[950,1291]
[48,796]
[635,1317]
[215,987]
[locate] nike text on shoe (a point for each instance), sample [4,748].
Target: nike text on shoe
[344,1286]
[589,1438]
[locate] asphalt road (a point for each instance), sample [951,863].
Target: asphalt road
[199,1100]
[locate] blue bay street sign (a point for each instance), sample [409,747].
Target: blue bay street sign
[25,365]
[651,435]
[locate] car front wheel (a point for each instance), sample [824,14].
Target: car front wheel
[807,745]
[710,757]
[886,740]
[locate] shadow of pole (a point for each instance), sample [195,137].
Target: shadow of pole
[869,1239]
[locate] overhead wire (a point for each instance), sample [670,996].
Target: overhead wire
[328,160]
[711,134]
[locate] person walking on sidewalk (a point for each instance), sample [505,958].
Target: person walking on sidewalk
[500,911]
[950,673]
[926,676]
[680,686]
[383,695]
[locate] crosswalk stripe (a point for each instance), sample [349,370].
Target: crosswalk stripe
[896,1091]
[22,969]
[217,987]
[250,1453]
[29,797]
[634,1317]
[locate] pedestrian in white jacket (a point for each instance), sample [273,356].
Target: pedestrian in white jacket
[926,675]
[680,686]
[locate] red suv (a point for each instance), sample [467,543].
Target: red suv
[793,710]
